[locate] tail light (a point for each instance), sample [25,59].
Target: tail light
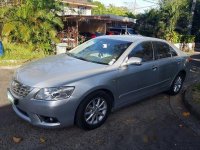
[93,36]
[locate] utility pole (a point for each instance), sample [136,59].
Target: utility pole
[132,6]
[194,2]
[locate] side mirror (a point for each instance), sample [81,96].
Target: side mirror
[133,61]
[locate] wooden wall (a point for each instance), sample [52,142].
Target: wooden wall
[92,27]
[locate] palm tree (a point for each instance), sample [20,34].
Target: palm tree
[34,23]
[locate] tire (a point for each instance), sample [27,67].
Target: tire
[177,84]
[93,110]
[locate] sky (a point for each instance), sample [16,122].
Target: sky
[141,5]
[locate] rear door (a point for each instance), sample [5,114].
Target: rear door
[167,64]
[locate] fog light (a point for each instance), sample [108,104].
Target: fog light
[48,119]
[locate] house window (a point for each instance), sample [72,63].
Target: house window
[82,10]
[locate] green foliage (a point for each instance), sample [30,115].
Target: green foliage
[120,11]
[197,86]
[20,52]
[130,15]
[33,23]
[173,37]
[148,23]
[111,9]
[170,12]
[168,22]
[186,39]
[100,9]
[196,22]
[178,38]
[16,54]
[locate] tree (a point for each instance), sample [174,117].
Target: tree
[170,13]
[32,23]
[120,11]
[196,22]
[148,23]
[100,9]
[111,9]
[168,21]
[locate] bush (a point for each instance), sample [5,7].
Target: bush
[34,23]
[178,38]
[17,54]
[173,37]
[187,39]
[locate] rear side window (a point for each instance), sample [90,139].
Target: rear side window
[162,50]
[173,52]
[143,51]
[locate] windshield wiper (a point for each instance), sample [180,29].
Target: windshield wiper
[81,58]
[70,54]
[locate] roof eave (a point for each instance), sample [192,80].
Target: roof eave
[81,4]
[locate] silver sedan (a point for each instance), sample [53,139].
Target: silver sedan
[84,85]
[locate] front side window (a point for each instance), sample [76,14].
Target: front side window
[162,50]
[143,51]
[100,50]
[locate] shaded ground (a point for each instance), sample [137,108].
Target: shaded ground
[196,94]
[150,124]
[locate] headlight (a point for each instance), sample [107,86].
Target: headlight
[59,93]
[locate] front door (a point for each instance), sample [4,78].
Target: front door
[137,81]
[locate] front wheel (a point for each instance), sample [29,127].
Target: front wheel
[94,110]
[177,85]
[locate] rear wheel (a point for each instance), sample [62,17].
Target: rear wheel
[94,110]
[177,84]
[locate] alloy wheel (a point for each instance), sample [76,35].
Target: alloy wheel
[178,84]
[95,111]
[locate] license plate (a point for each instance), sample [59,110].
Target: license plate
[10,97]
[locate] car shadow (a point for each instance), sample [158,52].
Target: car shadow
[126,128]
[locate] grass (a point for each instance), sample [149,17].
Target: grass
[196,93]
[18,54]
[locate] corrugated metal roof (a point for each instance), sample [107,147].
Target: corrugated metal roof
[100,17]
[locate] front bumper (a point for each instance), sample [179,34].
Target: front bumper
[45,113]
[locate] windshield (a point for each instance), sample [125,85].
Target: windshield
[102,51]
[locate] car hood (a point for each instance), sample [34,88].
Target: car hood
[56,70]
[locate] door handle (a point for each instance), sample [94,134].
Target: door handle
[154,68]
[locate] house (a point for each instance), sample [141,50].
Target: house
[77,7]
[78,20]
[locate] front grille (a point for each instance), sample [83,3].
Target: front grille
[19,89]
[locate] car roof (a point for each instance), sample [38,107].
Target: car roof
[139,38]
[130,38]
